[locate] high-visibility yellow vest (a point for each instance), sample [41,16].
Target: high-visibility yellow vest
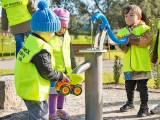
[16,10]
[28,82]
[61,53]
[136,58]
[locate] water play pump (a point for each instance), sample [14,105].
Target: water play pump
[93,70]
[105,25]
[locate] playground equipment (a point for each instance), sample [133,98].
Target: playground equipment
[93,70]
[106,28]
[73,86]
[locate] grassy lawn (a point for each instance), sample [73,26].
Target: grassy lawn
[111,54]
[6,71]
[81,39]
[8,46]
[108,78]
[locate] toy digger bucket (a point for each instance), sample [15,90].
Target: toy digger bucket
[75,78]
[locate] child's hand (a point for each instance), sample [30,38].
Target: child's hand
[65,78]
[154,60]
[4,33]
[127,43]
[134,39]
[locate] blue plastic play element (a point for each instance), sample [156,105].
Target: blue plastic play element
[106,25]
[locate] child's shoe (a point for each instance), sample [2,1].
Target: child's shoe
[143,111]
[155,110]
[54,117]
[128,106]
[62,115]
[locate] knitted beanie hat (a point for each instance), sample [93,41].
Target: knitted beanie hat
[43,20]
[63,15]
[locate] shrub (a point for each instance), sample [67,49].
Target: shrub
[117,69]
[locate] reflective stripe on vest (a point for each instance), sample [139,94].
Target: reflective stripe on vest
[136,58]
[28,82]
[61,53]
[17,11]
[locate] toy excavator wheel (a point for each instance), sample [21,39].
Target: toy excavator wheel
[77,90]
[65,90]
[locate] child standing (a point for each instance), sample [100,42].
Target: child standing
[155,58]
[16,14]
[65,62]
[33,69]
[137,68]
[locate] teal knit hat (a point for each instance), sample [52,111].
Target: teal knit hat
[43,20]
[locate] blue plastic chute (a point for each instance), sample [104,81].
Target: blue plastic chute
[106,25]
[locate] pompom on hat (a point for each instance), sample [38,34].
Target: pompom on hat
[63,16]
[43,20]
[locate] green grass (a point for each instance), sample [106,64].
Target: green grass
[8,46]
[81,39]
[111,54]
[108,78]
[9,43]
[6,71]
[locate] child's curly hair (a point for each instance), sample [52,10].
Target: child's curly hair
[137,10]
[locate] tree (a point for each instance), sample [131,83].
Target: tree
[110,8]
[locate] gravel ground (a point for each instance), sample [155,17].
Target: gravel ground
[113,98]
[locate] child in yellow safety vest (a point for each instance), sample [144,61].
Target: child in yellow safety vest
[136,66]
[65,62]
[34,64]
[16,16]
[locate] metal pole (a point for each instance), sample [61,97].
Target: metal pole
[82,67]
[93,87]
[109,46]
[2,47]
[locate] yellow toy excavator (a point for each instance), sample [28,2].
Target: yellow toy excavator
[73,86]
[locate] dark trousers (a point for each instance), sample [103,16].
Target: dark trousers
[141,87]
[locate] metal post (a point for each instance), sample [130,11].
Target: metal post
[93,85]
[93,88]
[2,47]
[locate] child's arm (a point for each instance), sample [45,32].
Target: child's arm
[123,48]
[43,63]
[4,20]
[154,56]
[143,40]
[31,6]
